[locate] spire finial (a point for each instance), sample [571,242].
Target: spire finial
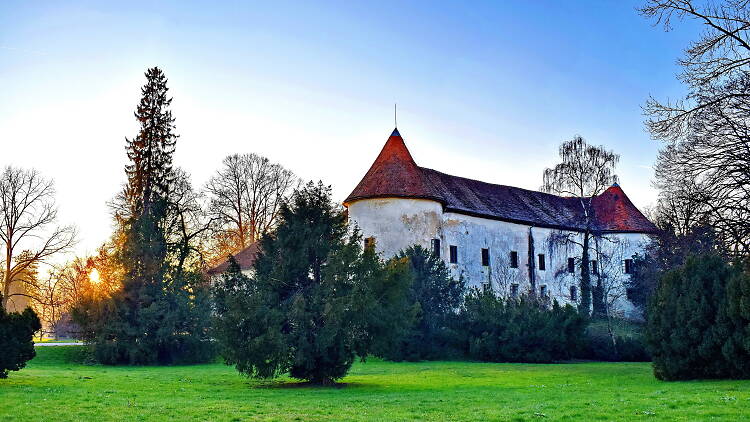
[395,116]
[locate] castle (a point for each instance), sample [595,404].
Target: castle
[509,239]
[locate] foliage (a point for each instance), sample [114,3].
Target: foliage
[16,339]
[436,297]
[629,344]
[668,249]
[315,301]
[160,314]
[584,172]
[520,330]
[702,170]
[699,321]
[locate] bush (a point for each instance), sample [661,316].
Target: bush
[16,339]
[599,347]
[520,330]
[435,296]
[699,321]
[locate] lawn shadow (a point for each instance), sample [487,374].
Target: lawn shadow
[286,385]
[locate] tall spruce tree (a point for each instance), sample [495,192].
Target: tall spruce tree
[161,314]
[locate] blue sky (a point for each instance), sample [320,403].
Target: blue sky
[486,90]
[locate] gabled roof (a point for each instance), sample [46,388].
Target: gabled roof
[245,258]
[395,174]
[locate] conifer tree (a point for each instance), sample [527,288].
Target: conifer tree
[16,339]
[161,314]
[316,300]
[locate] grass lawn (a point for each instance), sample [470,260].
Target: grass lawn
[54,388]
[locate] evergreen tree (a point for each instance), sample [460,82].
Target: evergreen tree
[316,299]
[161,314]
[16,339]
[699,321]
[435,296]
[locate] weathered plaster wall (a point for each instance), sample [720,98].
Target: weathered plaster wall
[397,223]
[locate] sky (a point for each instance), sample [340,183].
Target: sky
[485,90]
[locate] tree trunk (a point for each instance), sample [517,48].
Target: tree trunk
[531,265]
[584,307]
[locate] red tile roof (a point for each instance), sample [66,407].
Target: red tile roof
[395,174]
[245,258]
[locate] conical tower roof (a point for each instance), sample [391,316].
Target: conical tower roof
[394,174]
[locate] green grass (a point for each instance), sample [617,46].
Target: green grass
[54,388]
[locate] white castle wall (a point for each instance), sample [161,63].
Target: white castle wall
[397,223]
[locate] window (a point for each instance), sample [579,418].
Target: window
[628,266]
[543,291]
[514,290]
[573,293]
[513,259]
[594,267]
[436,247]
[454,254]
[485,257]
[542,264]
[369,242]
[571,265]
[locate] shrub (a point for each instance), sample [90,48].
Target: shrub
[698,321]
[629,349]
[435,296]
[520,330]
[16,339]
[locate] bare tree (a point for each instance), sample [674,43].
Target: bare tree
[246,195]
[707,132]
[585,171]
[27,223]
[188,227]
[503,276]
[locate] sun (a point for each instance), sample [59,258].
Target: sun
[94,276]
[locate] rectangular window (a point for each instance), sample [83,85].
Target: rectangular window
[514,290]
[571,265]
[454,254]
[594,267]
[573,293]
[628,266]
[436,247]
[513,259]
[543,291]
[542,263]
[369,242]
[485,257]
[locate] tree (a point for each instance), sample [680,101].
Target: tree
[27,228]
[584,172]
[246,196]
[436,296]
[316,299]
[16,339]
[161,311]
[698,321]
[707,132]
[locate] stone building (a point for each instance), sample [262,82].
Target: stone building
[510,239]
